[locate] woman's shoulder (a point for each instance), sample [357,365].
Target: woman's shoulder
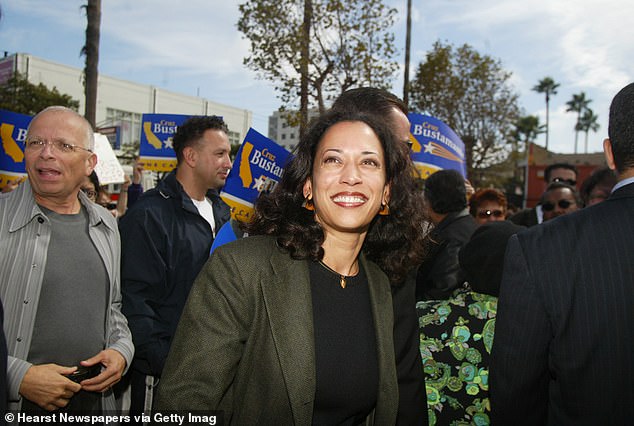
[256,247]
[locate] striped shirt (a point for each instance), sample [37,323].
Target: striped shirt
[24,237]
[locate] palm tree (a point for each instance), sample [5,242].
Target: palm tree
[578,104]
[547,86]
[527,128]
[587,122]
[91,50]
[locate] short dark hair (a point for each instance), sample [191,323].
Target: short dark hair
[190,132]
[486,194]
[552,167]
[621,128]
[394,241]
[561,185]
[445,191]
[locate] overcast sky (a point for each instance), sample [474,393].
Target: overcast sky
[193,47]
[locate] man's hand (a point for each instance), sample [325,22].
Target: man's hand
[47,386]
[114,363]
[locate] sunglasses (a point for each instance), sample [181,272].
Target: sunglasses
[564,204]
[570,182]
[483,214]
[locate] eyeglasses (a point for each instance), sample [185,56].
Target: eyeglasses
[570,182]
[91,193]
[483,214]
[36,145]
[564,204]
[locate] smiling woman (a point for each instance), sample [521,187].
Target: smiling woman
[277,317]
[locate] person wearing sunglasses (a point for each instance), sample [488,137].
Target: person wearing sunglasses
[561,172]
[559,199]
[488,205]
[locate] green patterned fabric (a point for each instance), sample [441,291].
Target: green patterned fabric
[456,336]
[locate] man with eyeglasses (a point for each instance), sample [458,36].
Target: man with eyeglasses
[559,199]
[557,172]
[561,172]
[564,335]
[59,277]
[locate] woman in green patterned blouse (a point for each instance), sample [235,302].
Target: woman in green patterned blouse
[456,335]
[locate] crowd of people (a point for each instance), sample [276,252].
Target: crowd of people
[355,296]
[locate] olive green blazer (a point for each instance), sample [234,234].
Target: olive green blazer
[245,343]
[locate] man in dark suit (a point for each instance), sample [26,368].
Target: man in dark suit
[563,350]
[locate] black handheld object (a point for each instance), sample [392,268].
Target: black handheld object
[83,373]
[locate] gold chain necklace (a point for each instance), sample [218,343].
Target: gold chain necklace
[342,278]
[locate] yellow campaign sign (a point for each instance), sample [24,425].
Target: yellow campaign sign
[158,164]
[9,144]
[426,169]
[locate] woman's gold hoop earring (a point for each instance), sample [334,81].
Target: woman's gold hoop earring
[385,209]
[308,205]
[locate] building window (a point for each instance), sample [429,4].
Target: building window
[234,138]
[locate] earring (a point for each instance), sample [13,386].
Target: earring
[385,209]
[308,204]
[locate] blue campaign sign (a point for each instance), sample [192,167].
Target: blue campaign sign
[12,133]
[156,149]
[435,146]
[257,168]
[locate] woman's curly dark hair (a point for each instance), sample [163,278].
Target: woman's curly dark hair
[394,241]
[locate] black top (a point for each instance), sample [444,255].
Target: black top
[346,362]
[440,273]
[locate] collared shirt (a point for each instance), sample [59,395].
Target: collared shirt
[24,238]
[622,183]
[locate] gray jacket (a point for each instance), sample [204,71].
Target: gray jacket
[24,237]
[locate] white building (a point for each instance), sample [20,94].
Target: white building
[284,134]
[121,103]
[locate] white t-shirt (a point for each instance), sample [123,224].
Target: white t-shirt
[207,212]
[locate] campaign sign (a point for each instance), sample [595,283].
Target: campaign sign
[435,146]
[257,168]
[156,149]
[12,134]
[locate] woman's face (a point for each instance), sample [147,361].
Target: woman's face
[489,211]
[88,187]
[348,183]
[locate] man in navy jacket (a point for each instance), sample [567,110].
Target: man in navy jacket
[166,238]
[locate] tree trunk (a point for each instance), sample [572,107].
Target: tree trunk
[408,40]
[304,59]
[91,50]
[547,114]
